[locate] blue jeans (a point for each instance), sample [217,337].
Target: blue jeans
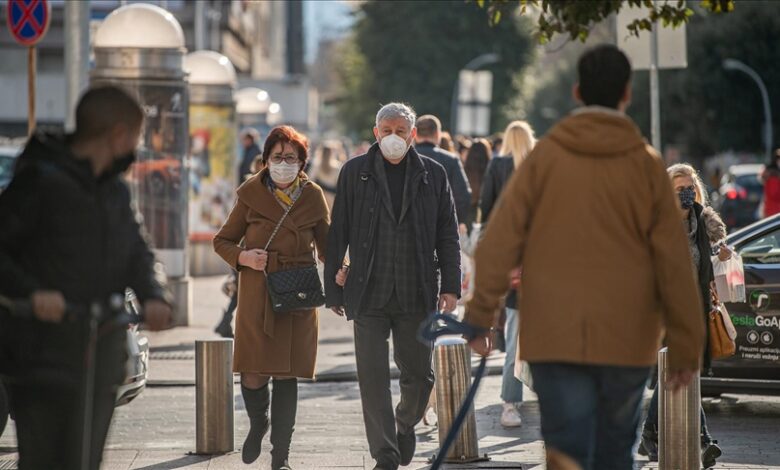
[591,413]
[511,387]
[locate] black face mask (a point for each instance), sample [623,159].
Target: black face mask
[120,165]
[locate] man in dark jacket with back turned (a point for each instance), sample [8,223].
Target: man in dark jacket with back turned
[395,214]
[69,236]
[427,144]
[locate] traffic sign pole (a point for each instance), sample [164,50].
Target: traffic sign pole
[28,21]
[31,73]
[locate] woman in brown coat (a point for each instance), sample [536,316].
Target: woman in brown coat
[267,344]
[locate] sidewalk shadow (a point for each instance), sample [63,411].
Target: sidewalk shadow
[181,462]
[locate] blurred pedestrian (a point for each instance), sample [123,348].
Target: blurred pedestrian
[230,287]
[770,177]
[427,144]
[705,231]
[270,345]
[70,240]
[518,142]
[479,155]
[446,142]
[496,143]
[591,217]
[462,145]
[325,169]
[394,211]
[250,141]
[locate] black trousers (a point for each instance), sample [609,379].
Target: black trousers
[413,358]
[49,413]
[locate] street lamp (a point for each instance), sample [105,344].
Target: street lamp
[474,64]
[733,64]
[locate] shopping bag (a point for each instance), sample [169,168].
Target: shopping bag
[729,278]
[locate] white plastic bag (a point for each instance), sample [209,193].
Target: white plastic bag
[729,279]
[523,373]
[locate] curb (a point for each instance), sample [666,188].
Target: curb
[337,377]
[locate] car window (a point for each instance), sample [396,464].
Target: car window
[749,181]
[762,250]
[6,168]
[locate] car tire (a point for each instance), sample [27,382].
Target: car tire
[5,408]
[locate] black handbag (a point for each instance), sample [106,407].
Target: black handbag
[297,288]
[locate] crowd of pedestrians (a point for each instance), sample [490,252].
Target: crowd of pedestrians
[589,209]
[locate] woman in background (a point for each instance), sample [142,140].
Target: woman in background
[477,160]
[518,142]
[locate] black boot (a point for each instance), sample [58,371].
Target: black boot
[284,407]
[224,329]
[649,443]
[710,451]
[256,403]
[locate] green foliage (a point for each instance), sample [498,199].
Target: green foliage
[575,18]
[412,51]
[704,108]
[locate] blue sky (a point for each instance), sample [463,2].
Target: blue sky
[324,19]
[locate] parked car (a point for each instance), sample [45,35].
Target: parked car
[136,367]
[8,154]
[755,368]
[739,196]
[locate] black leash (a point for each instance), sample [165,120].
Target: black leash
[435,326]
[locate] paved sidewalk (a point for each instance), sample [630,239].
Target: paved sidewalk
[157,430]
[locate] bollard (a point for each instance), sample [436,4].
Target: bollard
[452,366]
[214,396]
[679,427]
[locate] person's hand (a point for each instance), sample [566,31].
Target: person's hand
[680,378]
[482,344]
[725,253]
[338,311]
[448,303]
[256,259]
[341,276]
[157,315]
[48,306]
[514,278]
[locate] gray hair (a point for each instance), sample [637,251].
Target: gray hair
[396,110]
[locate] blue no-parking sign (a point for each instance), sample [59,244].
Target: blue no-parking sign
[28,20]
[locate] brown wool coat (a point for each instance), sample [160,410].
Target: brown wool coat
[269,343]
[592,218]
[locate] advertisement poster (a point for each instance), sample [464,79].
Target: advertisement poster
[158,178]
[213,168]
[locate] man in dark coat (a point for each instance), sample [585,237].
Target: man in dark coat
[70,241]
[250,141]
[427,144]
[394,212]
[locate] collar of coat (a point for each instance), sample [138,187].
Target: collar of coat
[374,156]
[256,195]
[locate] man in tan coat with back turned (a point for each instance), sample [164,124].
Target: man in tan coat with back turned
[592,219]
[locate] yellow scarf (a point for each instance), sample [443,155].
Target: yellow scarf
[285,195]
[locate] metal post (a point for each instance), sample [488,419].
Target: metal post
[655,99]
[214,396]
[76,57]
[200,25]
[733,64]
[679,436]
[31,73]
[452,366]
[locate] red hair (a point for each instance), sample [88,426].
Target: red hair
[286,135]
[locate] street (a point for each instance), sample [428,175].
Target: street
[157,430]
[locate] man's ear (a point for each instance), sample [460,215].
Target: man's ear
[414,134]
[376,134]
[575,92]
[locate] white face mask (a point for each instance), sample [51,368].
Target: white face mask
[284,173]
[393,147]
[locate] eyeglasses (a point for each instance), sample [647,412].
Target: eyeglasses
[289,159]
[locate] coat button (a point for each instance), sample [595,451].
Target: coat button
[360,279]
